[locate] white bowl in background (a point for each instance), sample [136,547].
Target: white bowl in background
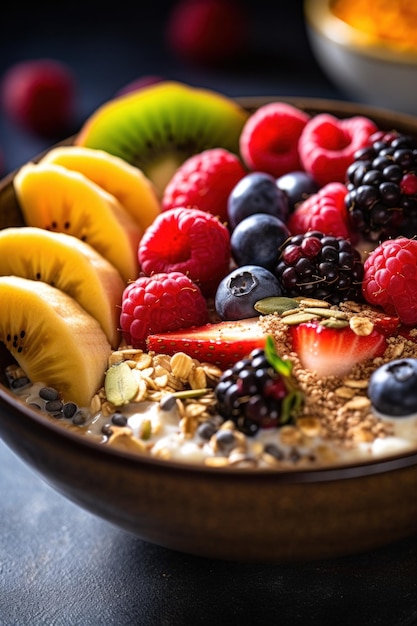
[361,66]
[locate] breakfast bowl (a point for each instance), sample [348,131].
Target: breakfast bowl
[364,49]
[238,514]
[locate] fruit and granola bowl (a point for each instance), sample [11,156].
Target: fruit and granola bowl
[209,312]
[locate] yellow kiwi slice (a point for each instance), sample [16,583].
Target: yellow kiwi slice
[58,199]
[126,182]
[156,128]
[53,339]
[69,264]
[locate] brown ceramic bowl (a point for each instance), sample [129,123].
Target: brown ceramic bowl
[240,515]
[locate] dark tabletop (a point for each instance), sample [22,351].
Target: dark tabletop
[59,564]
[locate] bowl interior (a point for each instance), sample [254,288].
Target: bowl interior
[11,215]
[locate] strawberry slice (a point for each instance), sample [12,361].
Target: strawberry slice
[386,324]
[333,352]
[221,343]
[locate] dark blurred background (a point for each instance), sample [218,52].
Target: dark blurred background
[110,45]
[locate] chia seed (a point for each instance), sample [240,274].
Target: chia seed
[19,383]
[79,418]
[53,406]
[225,440]
[206,430]
[69,409]
[274,451]
[107,430]
[167,403]
[49,394]
[118,419]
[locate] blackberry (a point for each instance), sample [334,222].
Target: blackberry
[382,187]
[314,265]
[254,395]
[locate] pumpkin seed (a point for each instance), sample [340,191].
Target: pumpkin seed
[298,318]
[120,384]
[313,302]
[275,304]
[322,312]
[334,323]
[291,312]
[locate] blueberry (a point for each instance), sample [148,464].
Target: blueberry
[239,291]
[298,186]
[392,388]
[256,192]
[256,240]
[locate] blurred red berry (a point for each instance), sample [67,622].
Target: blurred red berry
[40,96]
[207,32]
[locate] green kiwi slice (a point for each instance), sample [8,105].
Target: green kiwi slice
[159,127]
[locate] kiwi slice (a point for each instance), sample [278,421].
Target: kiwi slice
[53,339]
[62,200]
[157,128]
[125,182]
[66,262]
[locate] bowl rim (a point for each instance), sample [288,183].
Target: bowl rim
[11,403]
[342,107]
[320,18]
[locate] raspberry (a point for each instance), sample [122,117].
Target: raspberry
[315,265]
[207,32]
[390,278]
[382,187]
[159,303]
[190,241]
[324,211]
[204,181]
[327,145]
[269,139]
